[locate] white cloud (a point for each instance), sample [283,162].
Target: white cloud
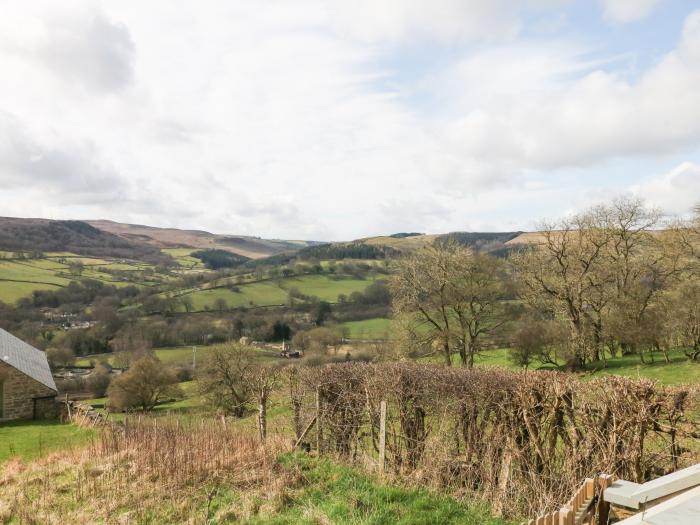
[310,118]
[75,42]
[564,122]
[628,10]
[396,20]
[675,192]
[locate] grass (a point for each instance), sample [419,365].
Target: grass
[176,355]
[20,278]
[32,439]
[335,493]
[28,271]
[679,371]
[376,328]
[256,294]
[276,292]
[141,475]
[12,292]
[325,287]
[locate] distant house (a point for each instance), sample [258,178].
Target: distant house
[27,388]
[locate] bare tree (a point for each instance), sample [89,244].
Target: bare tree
[420,293]
[448,297]
[262,381]
[605,266]
[220,304]
[685,305]
[187,303]
[223,379]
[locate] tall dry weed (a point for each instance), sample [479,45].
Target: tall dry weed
[145,471]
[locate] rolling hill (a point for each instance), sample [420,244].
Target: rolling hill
[78,237]
[488,242]
[251,247]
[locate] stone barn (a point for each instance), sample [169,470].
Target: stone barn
[27,388]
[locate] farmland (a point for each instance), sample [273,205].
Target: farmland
[376,328]
[19,277]
[175,355]
[271,292]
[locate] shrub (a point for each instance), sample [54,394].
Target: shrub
[523,440]
[146,383]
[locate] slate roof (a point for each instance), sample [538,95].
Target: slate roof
[26,359]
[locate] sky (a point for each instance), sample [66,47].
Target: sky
[335,120]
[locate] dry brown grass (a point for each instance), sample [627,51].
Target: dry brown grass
[148,472]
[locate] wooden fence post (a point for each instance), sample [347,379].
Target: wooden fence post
[382,435]
[566,516]
[603,510]
[319,425]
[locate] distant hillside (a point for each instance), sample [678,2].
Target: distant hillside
[412,242]
[526,238]
[44,235]
[495,243]
[487,242]
[250,247]
[347,250]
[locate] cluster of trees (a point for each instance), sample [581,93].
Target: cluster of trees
[77,295]
[350,250]
[615,279]
[611,279]
[217,259]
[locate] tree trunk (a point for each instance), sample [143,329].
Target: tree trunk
[470,354]
[447,354]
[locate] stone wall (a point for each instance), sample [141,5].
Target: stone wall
[19,396]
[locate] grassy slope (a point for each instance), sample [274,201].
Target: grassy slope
[306,490]
[12,292]
[31,439]
[275,292]
[20,278]
[333,493]
[376,328]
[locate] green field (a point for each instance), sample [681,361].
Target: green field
[31,439]
[311,491]
[678,371]
[183,256]
[30,272]
[180,355]
[19,278]
[377,328]
[172,356]
[12,292]
[276,292]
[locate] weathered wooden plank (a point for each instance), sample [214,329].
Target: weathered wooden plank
[566,516]
[382,435]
